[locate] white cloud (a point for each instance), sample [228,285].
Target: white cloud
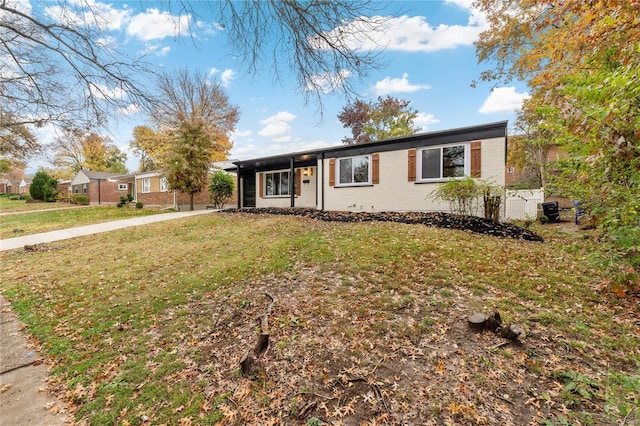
[241,133]
[157,50]
[277,125]
[328,82]
[225,76]
[101,91]
[423,120]
[407,33]
[129,110]
[90,13]
[503,99]
[397,85]
[153,25]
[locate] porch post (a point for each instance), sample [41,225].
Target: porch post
[292,182]
[239,189]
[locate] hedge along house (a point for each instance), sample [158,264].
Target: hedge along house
[391,175]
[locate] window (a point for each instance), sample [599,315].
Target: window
[164,185]
[84,188]
[146,185]
[354,171]
[443,163]
[276,184]
[122,187]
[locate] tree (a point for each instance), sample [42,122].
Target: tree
[17,142]
[77,149]
[323,43]
[529,150]
[60,66]
[150,145]
[585,92]
[43,187]
[221,188]
[388,118]
[196,118]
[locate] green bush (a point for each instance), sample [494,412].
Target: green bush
[15,197]
[43,187]
[139,205]
[461,194]
[80,199]
[221,188]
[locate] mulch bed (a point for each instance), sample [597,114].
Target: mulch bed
[473,224]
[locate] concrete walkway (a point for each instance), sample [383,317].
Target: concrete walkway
[23,378]
[64,234]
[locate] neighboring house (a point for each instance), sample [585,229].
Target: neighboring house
[392,175]
[23,186]
[98,187]
[5,186]
[152,189]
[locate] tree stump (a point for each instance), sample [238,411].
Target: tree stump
[477,321]
[512,332]
[249,363]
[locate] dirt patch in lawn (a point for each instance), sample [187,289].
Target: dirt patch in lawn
[401,357]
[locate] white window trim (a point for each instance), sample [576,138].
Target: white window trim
[369,181]
[123,187]
[142,185]
[164,185]
[467,162]
[280,195]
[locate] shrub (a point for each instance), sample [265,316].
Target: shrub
[79,199]
[461,194]
[221,188]
[139,205]
[119,205]
[43,187]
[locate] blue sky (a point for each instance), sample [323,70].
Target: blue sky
[429,60]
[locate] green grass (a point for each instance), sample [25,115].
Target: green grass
[9,206]
[20,224]
[151,323]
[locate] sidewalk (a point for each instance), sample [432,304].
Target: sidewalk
[64,234]
[23,378]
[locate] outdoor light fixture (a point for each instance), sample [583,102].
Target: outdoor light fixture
[308,171]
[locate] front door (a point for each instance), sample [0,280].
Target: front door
[249,191]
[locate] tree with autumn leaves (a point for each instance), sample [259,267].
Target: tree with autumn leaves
[387,118]
[580,60]
[193,119]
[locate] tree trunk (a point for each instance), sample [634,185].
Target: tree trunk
[191,201]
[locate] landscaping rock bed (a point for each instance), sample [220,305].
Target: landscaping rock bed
[474,224]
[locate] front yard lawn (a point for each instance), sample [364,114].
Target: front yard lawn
[368,325]
[20,224]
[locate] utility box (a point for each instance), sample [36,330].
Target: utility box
[551,211]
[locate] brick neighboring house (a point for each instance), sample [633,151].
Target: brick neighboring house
[99,187]
[5,186]
[151,189]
